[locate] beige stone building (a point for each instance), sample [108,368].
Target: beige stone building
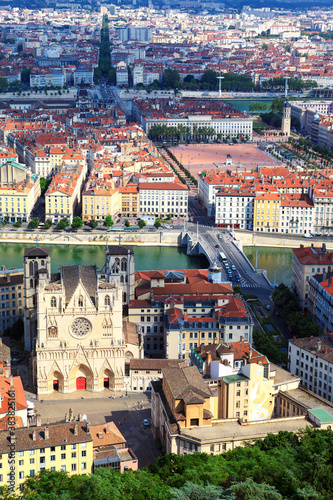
[74,326]
[19,191]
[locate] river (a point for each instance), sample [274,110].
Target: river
[270,259]
[149,258]
[146,258]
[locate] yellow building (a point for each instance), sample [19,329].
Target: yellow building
[267,212]
[26,451]
[63,196]
[98,202]
[19,191]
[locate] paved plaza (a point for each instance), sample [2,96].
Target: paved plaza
[127,412]
[198,157]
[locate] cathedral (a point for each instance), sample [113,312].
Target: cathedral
[74,322]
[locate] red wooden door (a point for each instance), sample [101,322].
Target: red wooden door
[80,383]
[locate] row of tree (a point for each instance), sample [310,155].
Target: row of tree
[161,132]
[105,68]
[299,325]
[283,466]
[208,81]
[293,84]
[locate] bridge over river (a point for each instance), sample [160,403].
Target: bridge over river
[205,241]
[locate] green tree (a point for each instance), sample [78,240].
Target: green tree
[48,224]
[3,83]
[93,223]
[33,224]
[250,490]
[171,78]
[141,223]
[108,221]
[77,223]
[18,223]
[192,491]
[19,47]
[44,184]
[127,223]
[63,223]
[157,223]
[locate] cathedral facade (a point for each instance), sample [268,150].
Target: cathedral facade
[74,323]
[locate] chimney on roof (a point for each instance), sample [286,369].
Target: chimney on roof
[34,435]
[329,281]
[8,278]
[311,338]
[87,427]
[208,362]
[70,414]
[38,420]
[294,339]
[325,350]
[7,372]
[318,348]
[46,433]
[323,247]
[76,429]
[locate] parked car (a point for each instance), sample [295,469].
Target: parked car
[268,307]
[233,268]
[146,422]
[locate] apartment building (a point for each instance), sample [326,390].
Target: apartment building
[234,209]
[46,79]
[321,300]
[63,196]
[189,292]
[308,261]
[12,296]
[59,447]
[83,76]
[98,201]
[19,191]
[225,319]
[311,360]
[111,450]
[267,212]
[129,205]
[162,198]
[296,214]
[323,209]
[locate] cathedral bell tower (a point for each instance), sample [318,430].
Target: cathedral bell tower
[120,267]
[36,260]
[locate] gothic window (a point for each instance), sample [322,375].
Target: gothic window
[31,282]
[126,278]
[80,301]
[42,263]
[53,302]
[124,265]
[31,268]
[116,266]
[121,278]
[124,297]
[107,300]
[35,267]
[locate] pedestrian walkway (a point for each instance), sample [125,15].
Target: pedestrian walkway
[58,396]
